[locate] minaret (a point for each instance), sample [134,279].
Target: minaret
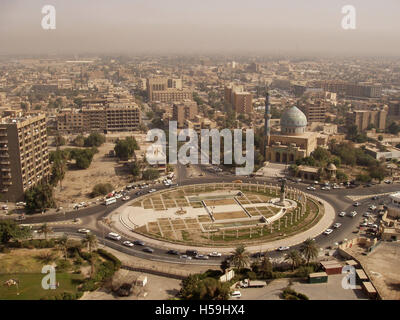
[267,117]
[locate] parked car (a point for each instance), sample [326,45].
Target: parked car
[126,198]
[356,204]
[85,231]
[337,225]
[328,231]
[236,294]
[20,218]
[201,257]
[372,207]
[342,214]
[366,214]
[127,243]
[353,214]
[185,256]
[192,253]
[152,190]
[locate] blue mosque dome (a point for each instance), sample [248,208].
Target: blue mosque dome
[293,121]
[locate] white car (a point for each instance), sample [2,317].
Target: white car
[372,207]
[356,204]
[214,254]
[311,188]
[366,214]
[152,190]
[236,294]
[328,231]
[185,257]
[342,214]
[337,225]
[353,214]
[117,196]
[127,243]
[283,248]
[126,198]
[85,231]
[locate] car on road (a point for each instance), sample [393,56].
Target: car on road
[192,253]
[114,236]
[337,225]
[326,188]
[366,214]
[372,207]
[20,218]
[185,256]
[201,257]
[85,231]
[342,214]
[236,294]
[215,254]
[152,190]
[356,204]
[364,224]
[148,250]
[138,243]
[353,214]
[127,243]
[311,188]
[126,198]
[174,252]
[20,204]
[388,181]
[117,196]
[283,248]
[328,231]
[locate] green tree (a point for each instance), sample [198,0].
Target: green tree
[293,256]
[10,230]
[309,250]
[225,265]
[39,198]
[101,189]
[240,257]
[265,267]
[150,174]
[59,140]
[63,245]
[124,149]
[91,241]
[135,170]
[79,141]
[45,229]
[95,139]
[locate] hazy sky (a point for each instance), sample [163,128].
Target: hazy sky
[201,26]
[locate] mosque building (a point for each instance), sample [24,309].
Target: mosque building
[294,141]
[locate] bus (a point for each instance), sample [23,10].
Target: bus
[109,201]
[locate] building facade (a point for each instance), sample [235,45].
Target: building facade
[24,155]
[364,118]
[186,110]
[167,90]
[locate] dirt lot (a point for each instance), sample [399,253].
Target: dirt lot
[382,264]
[77,184]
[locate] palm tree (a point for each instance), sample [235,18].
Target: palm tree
[45,229]
[91,241]
[294,257]
[309,250]
[62,242]
[240,258]
[92,259]
[225,264]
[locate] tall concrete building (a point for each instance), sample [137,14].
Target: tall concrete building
[361,90]
[364,118]
[113,117]
[314,111]
[186,110]
[24,155]
[241,101]
[167,90]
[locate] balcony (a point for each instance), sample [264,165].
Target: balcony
[2,162]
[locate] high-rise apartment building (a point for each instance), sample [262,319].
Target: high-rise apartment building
[24,155]
[241,101]
[167,90]
[364,118]
[353,89]
[183,111]
[314,111]
[113,117]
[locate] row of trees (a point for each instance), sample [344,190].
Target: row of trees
[95,139]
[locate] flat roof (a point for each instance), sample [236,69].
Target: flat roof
[318,274]
[351,262]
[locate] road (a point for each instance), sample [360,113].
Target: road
[91,216]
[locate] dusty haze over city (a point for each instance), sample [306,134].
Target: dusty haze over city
[178,26]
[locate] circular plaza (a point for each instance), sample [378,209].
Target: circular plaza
[223,215]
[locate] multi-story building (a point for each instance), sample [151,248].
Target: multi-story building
[314,111]
[113,117]
[394,109]
[167,90]
[241,101]
[353,89]
[24,155]
[183,111]
[364,118]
